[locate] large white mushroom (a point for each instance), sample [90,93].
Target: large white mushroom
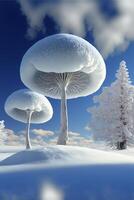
[28,107]
[63,66]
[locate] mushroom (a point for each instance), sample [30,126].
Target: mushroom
[28,107]
[63,66]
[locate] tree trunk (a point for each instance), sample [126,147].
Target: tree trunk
[29,114]
[64,119]
[122,145]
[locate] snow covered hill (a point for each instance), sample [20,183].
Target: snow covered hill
[65,173]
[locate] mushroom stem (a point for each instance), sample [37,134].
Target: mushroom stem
[28,143]
[64,118]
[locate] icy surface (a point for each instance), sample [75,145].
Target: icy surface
[66,173]
[19,101]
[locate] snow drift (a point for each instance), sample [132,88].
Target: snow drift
[64,154]
[67,173]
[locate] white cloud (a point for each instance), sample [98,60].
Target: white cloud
[76,139]
[73,134]
[12,139]
[117,33]
[109,34]
[42,138]
[42,132]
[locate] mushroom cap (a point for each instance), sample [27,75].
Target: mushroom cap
[20,101]
[43,64]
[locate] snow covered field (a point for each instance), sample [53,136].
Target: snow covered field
[66,173]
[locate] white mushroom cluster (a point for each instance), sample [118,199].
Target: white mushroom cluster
[63,66]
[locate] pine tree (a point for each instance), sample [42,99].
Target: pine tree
[111,117]
[2,132]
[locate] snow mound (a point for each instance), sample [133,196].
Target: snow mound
[66,155]
[34,156]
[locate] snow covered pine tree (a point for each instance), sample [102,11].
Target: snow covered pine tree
[2,132]
[112,117]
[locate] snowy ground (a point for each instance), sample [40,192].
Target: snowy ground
[66,173]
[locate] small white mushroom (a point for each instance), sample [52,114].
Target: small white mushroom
[63,66]
[28,107]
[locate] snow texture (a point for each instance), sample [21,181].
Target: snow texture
[63,58]
[22,100]
[35,156]
[94,176]
[65,155]
[62,53]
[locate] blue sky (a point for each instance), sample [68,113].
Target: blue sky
[107,25]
